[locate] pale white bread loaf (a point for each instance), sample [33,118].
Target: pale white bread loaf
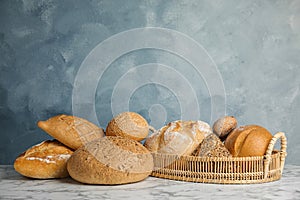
[111,160]
[71,131]
[44,161]
[178,137]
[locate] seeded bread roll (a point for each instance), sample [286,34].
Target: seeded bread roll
[212,146]
[223,126]
[71,131]
[44,161]
[128,124]
[249,140]
[178,137]
[111,160]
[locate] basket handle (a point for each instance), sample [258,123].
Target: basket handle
[281,136]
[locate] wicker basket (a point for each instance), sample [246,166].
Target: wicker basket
[224,170]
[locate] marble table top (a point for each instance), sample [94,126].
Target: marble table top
[15,186]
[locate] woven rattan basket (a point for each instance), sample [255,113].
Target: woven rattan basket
[224,170]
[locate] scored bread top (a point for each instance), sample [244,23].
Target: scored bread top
[45,160]
[70,130]
[48,151]
[178,137]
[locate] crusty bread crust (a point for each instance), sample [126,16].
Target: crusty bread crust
[212,146]
[249,140]
[44,161]
[71,131]
[128,124]
[111,160]
[223,126]
[178,137]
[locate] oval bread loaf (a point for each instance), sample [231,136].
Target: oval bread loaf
[71,131]
[111,160]
[44,161]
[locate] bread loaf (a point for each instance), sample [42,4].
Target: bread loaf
[249,140]
[44,161]
[212,146]
[223,126]
[128,124]
[111,160]
[71,131]
[178,137]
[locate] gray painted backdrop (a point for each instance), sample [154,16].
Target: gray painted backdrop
[255,44]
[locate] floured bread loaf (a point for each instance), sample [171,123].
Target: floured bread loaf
[178,137]
[212,146]
[44,161]
[71,131]
[111,160]
[128,124]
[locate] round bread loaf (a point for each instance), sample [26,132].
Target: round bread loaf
[44,161]
[223,126]
[129,125]
[178,137]
[71,131]
[249,140]
[111,160]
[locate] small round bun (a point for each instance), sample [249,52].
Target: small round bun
[249,140]
[223,126]
[178,137]
[111,160]
[44,161]
[129,125]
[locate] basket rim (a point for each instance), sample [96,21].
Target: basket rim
[275,152]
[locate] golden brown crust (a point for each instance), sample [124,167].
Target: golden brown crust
[70,130]
[249,140]
[44,161]
[129,125]
[111,160]
[178,137]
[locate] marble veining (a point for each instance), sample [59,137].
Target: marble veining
[15,186]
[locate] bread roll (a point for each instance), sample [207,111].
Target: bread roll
[223,126]
[44,161]
[250,140]
[111,160]
[212,146]
[178,137]
[128,124]
[71,131]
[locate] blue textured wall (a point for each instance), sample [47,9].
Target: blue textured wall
[255,45]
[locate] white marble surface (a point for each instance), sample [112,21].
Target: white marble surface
[14,186]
